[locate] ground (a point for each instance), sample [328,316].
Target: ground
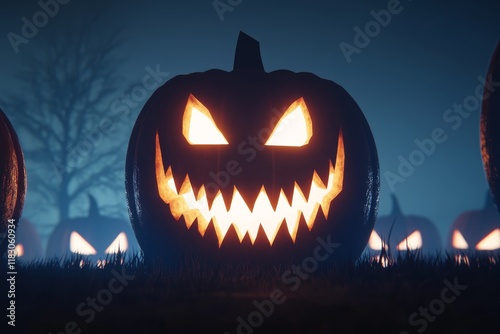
[413,295]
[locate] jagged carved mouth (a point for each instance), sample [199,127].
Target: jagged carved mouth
[183,202]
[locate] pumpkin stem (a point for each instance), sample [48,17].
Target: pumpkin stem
[93,207]
[247,55]
[396,209]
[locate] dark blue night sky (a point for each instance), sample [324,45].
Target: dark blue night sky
[415,77]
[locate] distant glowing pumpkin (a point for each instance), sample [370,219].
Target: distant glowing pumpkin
[28,242]
[475,232]
[251,163]
[95,236]
[398,232]
[12,179]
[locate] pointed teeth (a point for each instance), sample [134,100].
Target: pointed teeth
[291,216]
[202,194]
[204,216]
[305,187]
[298,195]
[250,194]
[323,173]
[186,186]
[170,179]
[269,219]
[244,227]
[288,191]
[189,217]
[274,197]
[226,209]
[309,208]
[316,180]
[218,204]
[227,195]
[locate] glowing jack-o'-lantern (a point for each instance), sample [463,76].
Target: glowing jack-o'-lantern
[490,123]
[248,162]
[476,232]
[398,232]
[95,236]
[12,179]
[28,243]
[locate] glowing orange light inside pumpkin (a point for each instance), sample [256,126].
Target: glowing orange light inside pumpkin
[19,250]
[412,242]
[245,221]
[77,244]
[490,242]
[458,240]
[119,244]
[294,128]
[198,126]
[376,242]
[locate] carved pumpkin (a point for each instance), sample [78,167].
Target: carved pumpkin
[476,231]
[409,232]
[95,236]
[12,178]
[250,163]
[490,123]
[28,243]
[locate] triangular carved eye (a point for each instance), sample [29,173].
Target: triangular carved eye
[412,242]
[77,244]
[376,242]
[490,242]
[120,244]
[458,240]
[198,125]
[294,128]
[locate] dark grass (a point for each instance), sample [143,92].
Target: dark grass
[195,296]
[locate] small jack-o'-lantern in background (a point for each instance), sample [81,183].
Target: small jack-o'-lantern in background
[28,243]
[476,231]
[490,125]
[95,236]
[12,179]
[250,164]
[398,232]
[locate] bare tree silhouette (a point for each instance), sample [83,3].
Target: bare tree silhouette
[73,143]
